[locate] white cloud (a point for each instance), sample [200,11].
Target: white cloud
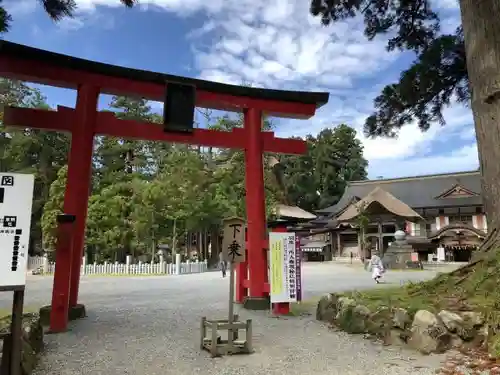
[462,159]
[446,4]
[286,48]
[412,141]
[180,6]
[71,24]
[19,7]
[409,153]
[278,44]
[281,41]
[285,52]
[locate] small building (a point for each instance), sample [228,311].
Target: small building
[314,247]
[448,207]
[316,251]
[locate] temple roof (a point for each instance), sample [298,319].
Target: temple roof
[379,197]
[417,192]
[294,212]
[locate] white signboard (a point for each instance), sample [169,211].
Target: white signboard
[283,267]
[16,197]
[441,254]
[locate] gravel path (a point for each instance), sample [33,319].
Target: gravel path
[150,326]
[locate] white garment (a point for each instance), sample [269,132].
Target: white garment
[376,266]
[376,272]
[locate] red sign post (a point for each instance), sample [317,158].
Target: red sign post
[84,122]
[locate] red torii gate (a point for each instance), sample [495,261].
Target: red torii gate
[91,78]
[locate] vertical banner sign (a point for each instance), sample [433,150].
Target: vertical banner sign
[276,266]
[292,268]
[233,243]
[233,250]
[283,267]
[298,265]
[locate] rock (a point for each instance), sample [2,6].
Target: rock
[380,322]
[428,334]
[474,318]
[395,337]
[475,337]
[482,335]
[362,310]
[425,318]
[455,341]
[451,320]
[450,364]
[400,319]
[466,331]
[343,302]
[78,312]
[326,310]
[352,318]
[31,340]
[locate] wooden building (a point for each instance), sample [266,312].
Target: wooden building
[442,210]
[315,247]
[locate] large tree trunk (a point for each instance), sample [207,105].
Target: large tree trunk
[480,20]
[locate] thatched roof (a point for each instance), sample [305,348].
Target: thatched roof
[272,161]
[418,192]
[293,212]
[384,199]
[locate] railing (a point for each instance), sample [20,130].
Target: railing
[108,268]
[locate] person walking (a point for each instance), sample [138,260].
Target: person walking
[222,264]
[377,268]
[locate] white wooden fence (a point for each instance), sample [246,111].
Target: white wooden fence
[128,268]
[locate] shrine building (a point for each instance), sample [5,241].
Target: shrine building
[440,210]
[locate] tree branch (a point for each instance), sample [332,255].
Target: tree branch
[439,74]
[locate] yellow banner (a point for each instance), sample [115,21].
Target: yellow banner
[277,254]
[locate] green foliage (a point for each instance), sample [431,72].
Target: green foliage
[229,177]
[145,193]
[494,345]
[393,297]
[438,73]
[110,225]
[412,24]
[53,207]
[473,287]
[318,179]
[30,151]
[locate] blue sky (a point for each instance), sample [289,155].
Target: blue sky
[267,43]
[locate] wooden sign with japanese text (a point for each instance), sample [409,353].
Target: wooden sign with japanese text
[284,271]
[233,244]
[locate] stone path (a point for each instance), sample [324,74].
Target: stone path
[149,325]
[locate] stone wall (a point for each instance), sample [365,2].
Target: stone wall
[421,330]
[32,340]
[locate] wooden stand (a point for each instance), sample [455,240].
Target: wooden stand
[233,244]
[233,344]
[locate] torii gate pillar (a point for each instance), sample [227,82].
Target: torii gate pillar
[79,175]
[256,212]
